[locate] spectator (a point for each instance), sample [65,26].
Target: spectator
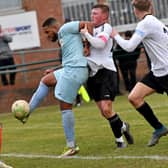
[6,58]
[127,62]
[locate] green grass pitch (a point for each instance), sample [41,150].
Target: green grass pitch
[39,142]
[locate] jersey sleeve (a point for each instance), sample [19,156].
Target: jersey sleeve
[100,39]
[105,34]
[140,33]
[142,29]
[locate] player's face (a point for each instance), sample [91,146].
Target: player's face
[51,33]
[97,16]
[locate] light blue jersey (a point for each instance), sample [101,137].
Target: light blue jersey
[74,72]
[71,45]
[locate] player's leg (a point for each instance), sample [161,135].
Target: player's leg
[136,97]
[117,125]
[115,122]
[42,90]
[66,90]
[40,93]
[103,93]
[68,123]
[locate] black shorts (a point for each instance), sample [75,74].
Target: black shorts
[160,84]
[103,86]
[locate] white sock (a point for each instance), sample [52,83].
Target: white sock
[120,139]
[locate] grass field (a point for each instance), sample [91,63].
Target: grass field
[38,143]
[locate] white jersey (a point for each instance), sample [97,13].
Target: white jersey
[154,35]
[101,57]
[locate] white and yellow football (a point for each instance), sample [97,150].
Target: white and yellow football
[20,109]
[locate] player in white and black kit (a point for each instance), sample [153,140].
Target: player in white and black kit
[154,36]
[102,83]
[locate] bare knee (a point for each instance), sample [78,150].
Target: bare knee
[107,112]
[49,80]
[135,100]
[105,106]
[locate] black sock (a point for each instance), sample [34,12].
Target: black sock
[116,125]
[148,114]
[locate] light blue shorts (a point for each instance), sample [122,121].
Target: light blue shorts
[69,80]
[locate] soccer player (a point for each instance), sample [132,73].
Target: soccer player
[154,36]
[68,79]
[102,80]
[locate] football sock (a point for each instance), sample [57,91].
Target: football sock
[120,139]
[116,125]
[68,124]
[148,114]
[38,96]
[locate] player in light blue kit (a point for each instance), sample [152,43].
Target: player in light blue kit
[68,79]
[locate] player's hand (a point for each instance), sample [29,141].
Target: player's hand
[84,30]
[47,71]
[113,33]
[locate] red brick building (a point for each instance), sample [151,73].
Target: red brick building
[28,79]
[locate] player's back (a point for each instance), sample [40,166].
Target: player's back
[155,43]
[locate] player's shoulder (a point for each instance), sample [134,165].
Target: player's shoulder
[71,24]
[107,26]
[148,21]
[70,27]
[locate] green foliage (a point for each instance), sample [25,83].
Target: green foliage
[43,135]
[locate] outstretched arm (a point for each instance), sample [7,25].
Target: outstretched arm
[128,45]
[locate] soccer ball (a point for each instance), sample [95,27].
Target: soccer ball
[20,109]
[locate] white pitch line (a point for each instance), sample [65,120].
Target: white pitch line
[152,157]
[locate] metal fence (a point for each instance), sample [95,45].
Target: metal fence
[34,61]
[121,12]
[78,10]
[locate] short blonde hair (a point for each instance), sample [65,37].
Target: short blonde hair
[142,5]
